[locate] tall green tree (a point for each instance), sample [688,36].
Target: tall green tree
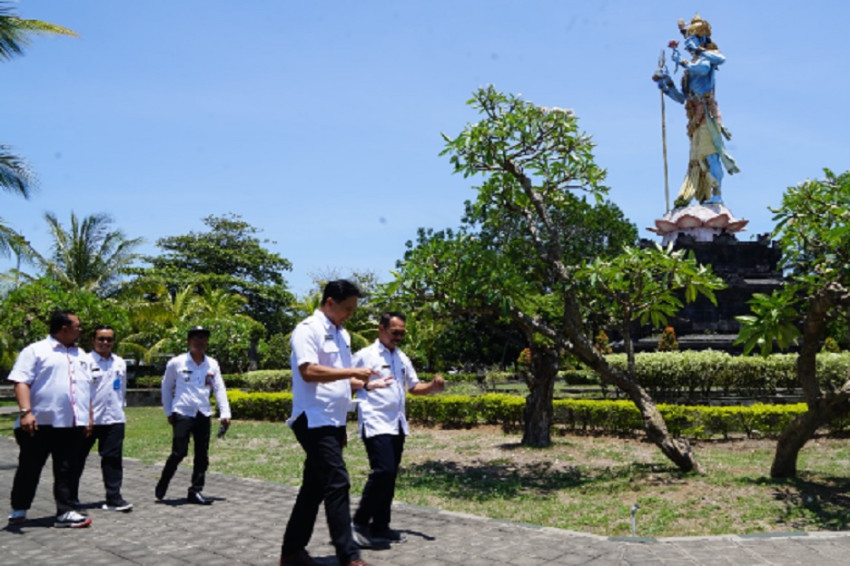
[25,313]
[89,254]
[523,241]
[813,232]
[228,256]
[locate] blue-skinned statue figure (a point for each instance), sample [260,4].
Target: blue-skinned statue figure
[708,155]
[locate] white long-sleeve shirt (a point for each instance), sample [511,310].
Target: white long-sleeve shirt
[186,387]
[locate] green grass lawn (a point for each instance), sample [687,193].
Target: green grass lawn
[582,483]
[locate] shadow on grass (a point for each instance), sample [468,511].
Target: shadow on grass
[823,501]
[499,479]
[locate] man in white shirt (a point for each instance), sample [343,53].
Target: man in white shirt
[53,387]
[189,378]
[109,374]
[383,426]
[321,397]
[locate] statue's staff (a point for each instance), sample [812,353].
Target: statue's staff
[662,68]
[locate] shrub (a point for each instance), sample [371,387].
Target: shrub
[692,375]
[274,353]
[668,342]
[261,380]
[260,406]
[602,343]
[830,345]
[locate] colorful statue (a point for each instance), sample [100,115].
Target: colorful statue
[708,156]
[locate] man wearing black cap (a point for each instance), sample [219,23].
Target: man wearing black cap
[186,387]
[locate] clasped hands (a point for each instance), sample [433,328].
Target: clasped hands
[363,376]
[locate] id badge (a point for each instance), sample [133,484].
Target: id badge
[116,385]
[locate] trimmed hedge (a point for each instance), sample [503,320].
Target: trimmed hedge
[699,374]
[260,406]
[577,415]
[689,375]
[260,380]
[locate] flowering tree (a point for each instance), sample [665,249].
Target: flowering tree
[813,231]
[523,248]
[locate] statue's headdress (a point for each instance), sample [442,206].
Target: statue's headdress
[700,28]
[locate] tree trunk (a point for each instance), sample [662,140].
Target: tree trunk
[822,407]
[538,412]
[801,429]
[677,450]
[253,363]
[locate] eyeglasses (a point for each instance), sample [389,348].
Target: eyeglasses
[398,333]
[105,339]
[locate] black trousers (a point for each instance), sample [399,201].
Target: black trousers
[110,443]
[325,479]
[198,428]
[384,452]
[64,445]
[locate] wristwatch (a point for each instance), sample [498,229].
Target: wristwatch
[25,411]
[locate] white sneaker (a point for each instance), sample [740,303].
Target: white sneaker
[72,519]
[17,516]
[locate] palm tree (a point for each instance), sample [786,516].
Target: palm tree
[305,306]
[15,175]
[12,242]
[220,303]
[155,315]
[89,256]
[15,33]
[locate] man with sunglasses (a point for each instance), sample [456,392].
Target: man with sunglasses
[53,387]
[383,426]
[109,374]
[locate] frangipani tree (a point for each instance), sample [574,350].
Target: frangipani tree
[813,231]
[524,247]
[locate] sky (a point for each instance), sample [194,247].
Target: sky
[320,122]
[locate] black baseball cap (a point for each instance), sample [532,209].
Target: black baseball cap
[198,331]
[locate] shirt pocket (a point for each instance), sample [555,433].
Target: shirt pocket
[330,350]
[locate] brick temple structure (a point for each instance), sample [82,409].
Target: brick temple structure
[747,267]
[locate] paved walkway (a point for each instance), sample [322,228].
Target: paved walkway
[246,522]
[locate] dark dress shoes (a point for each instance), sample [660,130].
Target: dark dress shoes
[300,559]
[197,498]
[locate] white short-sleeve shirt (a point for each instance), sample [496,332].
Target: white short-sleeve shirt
[186,387]
[110,385]
[60,382]
[381,411]
[317,340]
